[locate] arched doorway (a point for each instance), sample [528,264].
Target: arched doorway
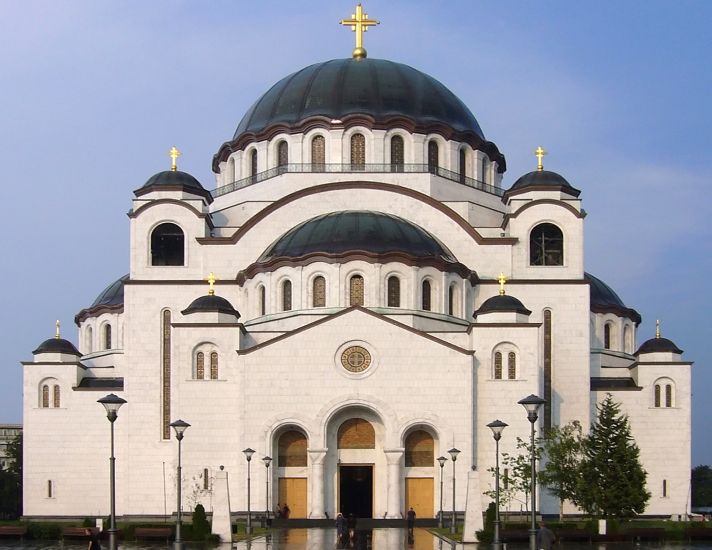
[356,480]
[419,472]
[292,472]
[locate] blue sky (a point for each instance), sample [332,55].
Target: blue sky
[93,95]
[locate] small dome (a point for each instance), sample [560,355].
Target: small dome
[605,300]
[57,345]
[174,180]
[658,345]
[502,303]
[112,294]
[543,180]
[210,303]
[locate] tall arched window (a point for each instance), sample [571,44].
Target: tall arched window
[668,395]
[214,365]
[263,300]
[356,290]
[318,153]
[45,396]
[287,296]
[393,291]
[397,154]
[253,163]
[358,152]
[546,245]
[484,169]
[607,336]
[167,245]
[200,366]
[451,300]
[356,433]
[657,395]
[319,292]
[292,449]
[664,393]
[426,304]
[498,365]
[419,449]
[230,170]
[463,165]
[282,154]
[107,336]
[628,339]
[56,397]
[511,365]
[433,156]
[89,340]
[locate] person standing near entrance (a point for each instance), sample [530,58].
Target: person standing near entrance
[351,524]
[545,537]
[410,520]
[341,528]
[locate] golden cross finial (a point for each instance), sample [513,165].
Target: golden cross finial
[501,280]
[359,23]
[211,284]
[540,157]
[657,328]
[174,154]
[56,332]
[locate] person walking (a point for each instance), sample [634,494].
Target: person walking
[545,537]
[410,520]
[341,530]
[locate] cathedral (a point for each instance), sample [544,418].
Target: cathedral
[357,297]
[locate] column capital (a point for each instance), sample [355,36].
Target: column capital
[393,456]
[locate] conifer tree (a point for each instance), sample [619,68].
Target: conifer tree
[612,480]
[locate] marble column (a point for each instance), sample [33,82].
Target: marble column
[316,482]
[394,458]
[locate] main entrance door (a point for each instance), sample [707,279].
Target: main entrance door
[293,493]
[419,496]
[356,490]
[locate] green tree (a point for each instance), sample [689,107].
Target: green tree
[11,481]
[515,474]
[563,449]
[612,480]
[701,486]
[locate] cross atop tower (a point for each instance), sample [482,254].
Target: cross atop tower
[359,23]
[56,333]
[211,284]
[174,154]
[657,328]
[501,280]
[539,153]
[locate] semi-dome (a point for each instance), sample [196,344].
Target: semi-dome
[658,345]
[210,303]
[57,345]
[502,303]
[377,91]
[173,180]
[605,300]
[111,299]
[544,180]
[338,233]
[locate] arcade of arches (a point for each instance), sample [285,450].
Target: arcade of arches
[355,474]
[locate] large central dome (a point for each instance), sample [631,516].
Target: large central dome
[380,89]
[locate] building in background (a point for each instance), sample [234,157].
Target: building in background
[8,434]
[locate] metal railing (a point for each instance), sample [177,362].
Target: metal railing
[316,168]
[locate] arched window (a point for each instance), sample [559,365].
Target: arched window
[282,154]
[628,339]
[393,291]
[356,433]
[664,393]
[319,292]
[45,396]
[484,169]
[426,304]
[89,340]
[318,153]
[397,154]
[263,300]
[668,395]
[253,163]
[107,336]
[657,395]
[292,449]
[56,397]
[511,365]
[230,171]
[546,245]
[607,336]
[356,290]
[200,365]
[358,152]
[451,300]
[498,365]
[433,156]
[419,449]
[167,245]
[214,365]
[463,165]
[287,296]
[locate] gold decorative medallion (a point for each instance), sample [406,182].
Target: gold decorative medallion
[356,359]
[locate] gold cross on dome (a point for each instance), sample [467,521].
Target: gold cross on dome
[56,332]
[359,23]
[174,154]
[501,280]
[657,328]
[539,153]
[211,284]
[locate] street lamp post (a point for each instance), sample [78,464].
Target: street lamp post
[497,427]
[248,455]
[441,460]
[453,455]
[112,403]
[532,403]
[267,461]
[180,427]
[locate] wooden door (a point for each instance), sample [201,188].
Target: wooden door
[419,493]
[293,493]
